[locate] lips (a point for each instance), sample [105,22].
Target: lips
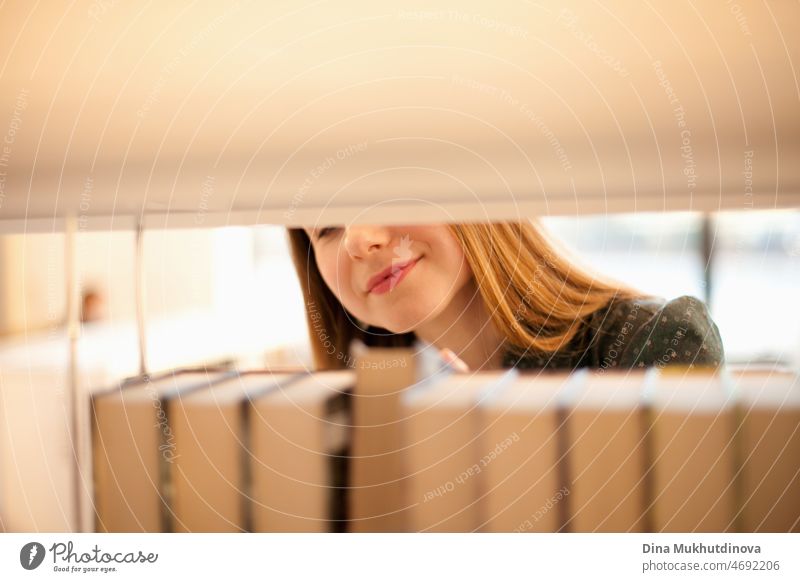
[390,276]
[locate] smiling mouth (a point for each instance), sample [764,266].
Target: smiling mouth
[393,279]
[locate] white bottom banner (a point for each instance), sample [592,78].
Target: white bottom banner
[472,556]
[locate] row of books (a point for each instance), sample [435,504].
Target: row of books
[402,443]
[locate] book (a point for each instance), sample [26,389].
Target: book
[377,478]
[132,448]
[209,471]
[606,451]
[692,425]
[402,443]
[443,449]
[300,438]
[523,480]
[769,449]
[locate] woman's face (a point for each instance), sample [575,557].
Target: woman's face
[394,277]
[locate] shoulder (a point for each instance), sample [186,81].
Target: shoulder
[651,331]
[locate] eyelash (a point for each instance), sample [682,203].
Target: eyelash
[323,232]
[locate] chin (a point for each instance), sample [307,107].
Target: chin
[400,329]
[406,324]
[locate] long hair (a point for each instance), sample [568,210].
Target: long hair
[537,298]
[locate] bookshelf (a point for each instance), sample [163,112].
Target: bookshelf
[334,114]
[248,114]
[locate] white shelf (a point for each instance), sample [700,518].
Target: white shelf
[338,112]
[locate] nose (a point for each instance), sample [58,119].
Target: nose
[361,240]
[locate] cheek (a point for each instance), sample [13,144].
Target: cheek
[323,264]
[331,273]
[451,261]
[337,278]
[454,272]
[443,244]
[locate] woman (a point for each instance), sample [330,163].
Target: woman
[489,296]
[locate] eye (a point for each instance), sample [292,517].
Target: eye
[323,232]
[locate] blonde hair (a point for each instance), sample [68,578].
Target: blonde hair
[537,298]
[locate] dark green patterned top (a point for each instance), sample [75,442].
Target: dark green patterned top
[637,333]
